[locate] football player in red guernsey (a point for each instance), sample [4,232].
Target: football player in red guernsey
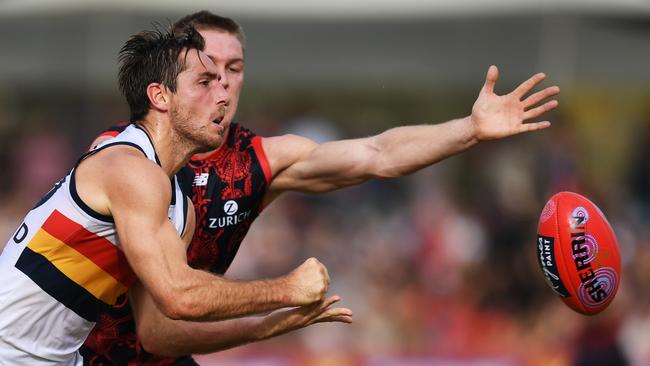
[230,185]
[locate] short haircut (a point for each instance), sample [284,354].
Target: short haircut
[153,57]
[205,20]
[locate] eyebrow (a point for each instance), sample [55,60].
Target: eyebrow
[209,75]
[230,61]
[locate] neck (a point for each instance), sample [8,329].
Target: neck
[173,152]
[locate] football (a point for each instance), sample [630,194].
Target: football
[578,253]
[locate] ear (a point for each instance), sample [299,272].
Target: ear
[159,96]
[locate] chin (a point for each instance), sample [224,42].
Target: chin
[210,144]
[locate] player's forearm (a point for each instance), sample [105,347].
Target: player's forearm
[166,337]
[175,338]
[404,150]
[210,298]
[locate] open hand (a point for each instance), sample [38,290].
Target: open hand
[496,116]
[285,321]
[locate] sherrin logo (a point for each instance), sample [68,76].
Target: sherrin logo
[595,285]
[606,280]
[580,213]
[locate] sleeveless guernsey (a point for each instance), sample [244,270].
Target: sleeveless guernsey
[227,189]
[63,267]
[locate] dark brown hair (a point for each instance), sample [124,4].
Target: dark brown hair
[153,57]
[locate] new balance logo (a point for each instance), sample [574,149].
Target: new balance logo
[201,179]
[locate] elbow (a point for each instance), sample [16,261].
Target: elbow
[150,343]
[387,167]
[388,173]
[149,336]
[179,305]
[387,170]
[382,166]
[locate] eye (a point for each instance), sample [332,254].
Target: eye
[236,67]
[204,82]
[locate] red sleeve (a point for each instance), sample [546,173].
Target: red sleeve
[111,131]
[261,156]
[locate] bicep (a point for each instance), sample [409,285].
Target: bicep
[300,164]
[139,205]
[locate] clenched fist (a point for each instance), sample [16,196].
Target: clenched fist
[308,282]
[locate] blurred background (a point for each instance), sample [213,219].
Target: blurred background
[438,267]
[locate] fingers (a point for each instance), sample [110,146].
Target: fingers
[327,312]
[529,127]
[326,278]
[528,85]
[491,79]
[326,274]
[339,319]
[330,300]
[342,315]
[321,267]
[311,282]
[538,111]
[541,95]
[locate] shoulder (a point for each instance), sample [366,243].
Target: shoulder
[122,155]
[109,133]
[121,176]
[283,153]
[125,168]
[287,148]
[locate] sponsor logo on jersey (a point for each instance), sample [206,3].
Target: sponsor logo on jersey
[230,208]
[201,179]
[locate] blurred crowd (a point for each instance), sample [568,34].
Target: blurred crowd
[439,267]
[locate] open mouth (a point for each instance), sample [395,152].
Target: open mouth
[218,121]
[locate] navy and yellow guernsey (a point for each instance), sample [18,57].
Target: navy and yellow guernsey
[63,267]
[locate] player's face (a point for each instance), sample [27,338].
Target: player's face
[198,107]
[227,54]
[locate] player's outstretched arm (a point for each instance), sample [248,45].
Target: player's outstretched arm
[173,338]
[137,196]
[300,164]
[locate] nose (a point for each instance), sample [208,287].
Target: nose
[223,78]
[221,95]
